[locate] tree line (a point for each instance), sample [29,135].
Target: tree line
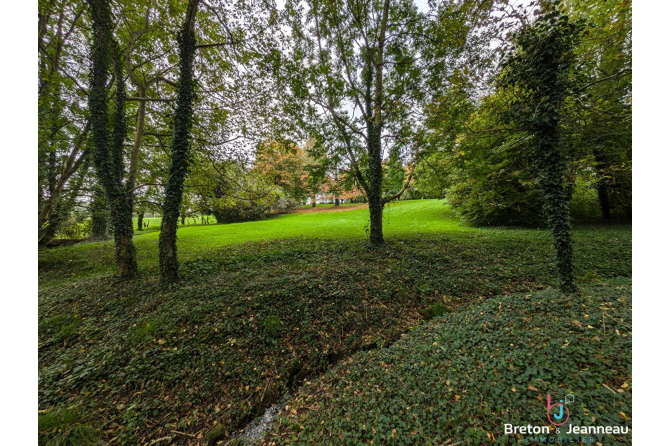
[515,115]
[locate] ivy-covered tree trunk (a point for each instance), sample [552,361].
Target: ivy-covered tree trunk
[539,70]
[99,215]
[602,185]
[183,118]
[375,198]
[556,200]
[108,146]
[55,221]
[140,221]
[374,132]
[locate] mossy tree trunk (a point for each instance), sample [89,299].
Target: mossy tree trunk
[99,215]
[180,147]
[140,221]
[602,185]
[108,145]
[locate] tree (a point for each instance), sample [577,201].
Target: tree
[599,121]
[357,65]
[540,70]
[63,124]
[365,72]
[179,150]
[108,145]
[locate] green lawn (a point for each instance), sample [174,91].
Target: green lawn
[264,306]
[68,264]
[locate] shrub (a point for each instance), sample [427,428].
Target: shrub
[239,212]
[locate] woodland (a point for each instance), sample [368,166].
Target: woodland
[332,221]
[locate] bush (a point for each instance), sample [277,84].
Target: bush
[503,199]
[77,227]
[239,212]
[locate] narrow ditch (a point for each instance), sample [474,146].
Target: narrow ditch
[256,427]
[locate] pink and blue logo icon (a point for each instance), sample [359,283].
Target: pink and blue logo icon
[560,415]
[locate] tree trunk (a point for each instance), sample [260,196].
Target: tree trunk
[337,202]
[375,203]
[55,221]
[180,147]
[602,185]
[108,148]
[137,144]
[556,203]
[76,159]
[375,198]
[99,215]
[140,221]
[313,201]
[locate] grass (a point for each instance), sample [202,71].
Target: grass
[328,205]
[88,260]
[263,306]
[64,428]
[460,378]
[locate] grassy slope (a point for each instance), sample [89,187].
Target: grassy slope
[461,377]
[68,264]
[251,320]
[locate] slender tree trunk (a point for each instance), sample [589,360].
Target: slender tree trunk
[108,148]
[76,159]
[375,198]
[313,201]
[337,202]
[140,221]
[183,118]
[137,144]
[602,185]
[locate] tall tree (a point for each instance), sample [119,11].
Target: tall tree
[108,143]
[540,70]
[63,126]
[356,65]
[366,71]
[180,147]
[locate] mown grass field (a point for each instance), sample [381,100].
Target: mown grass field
[86,260]
[265,306]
